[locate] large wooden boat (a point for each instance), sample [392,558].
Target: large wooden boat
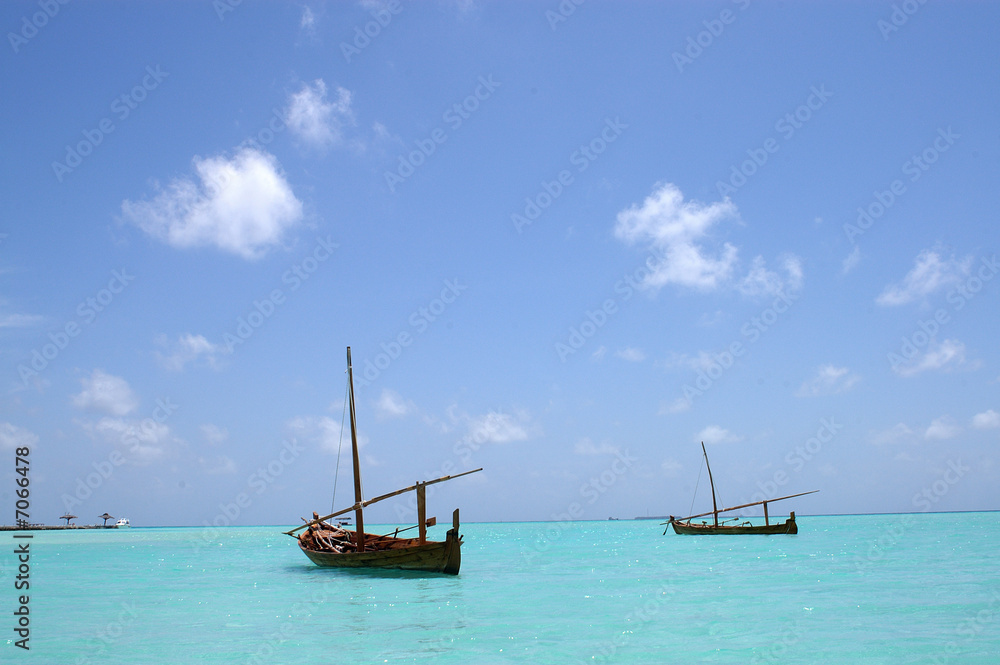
[333,546]
[684,525]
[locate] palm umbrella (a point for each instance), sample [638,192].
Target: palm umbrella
[106,517]
[68,517]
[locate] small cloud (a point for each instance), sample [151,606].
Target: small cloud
[899,432]
[189,349]
[587,447]
[599,353]
[308,21]
[314,120]
[829,380]
[107,393]
[631,354]
[392,404]
[851,261]
[942,428]
[12,437]
[213,434]
[221,465]
[241,205]
[679,405]
[989,419]
[141,442]
[497,427]
[20,320]
[714,434]
[671,467]
[322,430]
[944,356]
[929,274]
[708,320]
[679,231]
[761,282]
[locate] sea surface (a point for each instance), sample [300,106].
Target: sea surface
[847,589]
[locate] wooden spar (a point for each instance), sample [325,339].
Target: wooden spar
[422,512]
[365,504]
[359,518]
[715,509]
[745,505]
[765,514]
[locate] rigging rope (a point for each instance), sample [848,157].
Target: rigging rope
[691,509]
[340,446]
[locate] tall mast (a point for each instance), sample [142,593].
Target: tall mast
[359,519]
[715,508]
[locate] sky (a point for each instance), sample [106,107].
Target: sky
[567,242]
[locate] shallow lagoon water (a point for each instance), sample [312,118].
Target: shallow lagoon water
[847,589]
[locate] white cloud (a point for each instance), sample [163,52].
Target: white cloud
[20,320]
[105,392]
[223,464]
[942,428]
[944,356]
[679,405]
[142,442]
[190,348]
[241,205]
[314,120]
[308,21]
[587,447]
[851,261]
[214,434]
[12,436]
[829,380]
[497,427]
[599,353]
[899,432]
[989,419]
[671,467]
[678,230]
[322,430]
[763,282]
[715,434]
[929,274]
[392,404]
[631,354]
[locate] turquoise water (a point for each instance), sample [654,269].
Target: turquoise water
[847,589]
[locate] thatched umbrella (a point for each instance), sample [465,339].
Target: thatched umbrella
[68,517]
[106,517]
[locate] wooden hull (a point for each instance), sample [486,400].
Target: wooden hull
[399,554]
[686,528]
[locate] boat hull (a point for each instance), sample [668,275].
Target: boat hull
[404,554]
[686,528]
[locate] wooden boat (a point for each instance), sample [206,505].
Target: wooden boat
[684,525]
[334,546]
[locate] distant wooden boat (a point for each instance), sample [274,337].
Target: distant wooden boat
[685,526]
[334,546]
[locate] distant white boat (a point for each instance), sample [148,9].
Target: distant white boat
[122,523]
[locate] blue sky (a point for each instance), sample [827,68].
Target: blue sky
[566,243]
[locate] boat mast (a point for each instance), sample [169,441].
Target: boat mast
[359,519]
[715,507]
